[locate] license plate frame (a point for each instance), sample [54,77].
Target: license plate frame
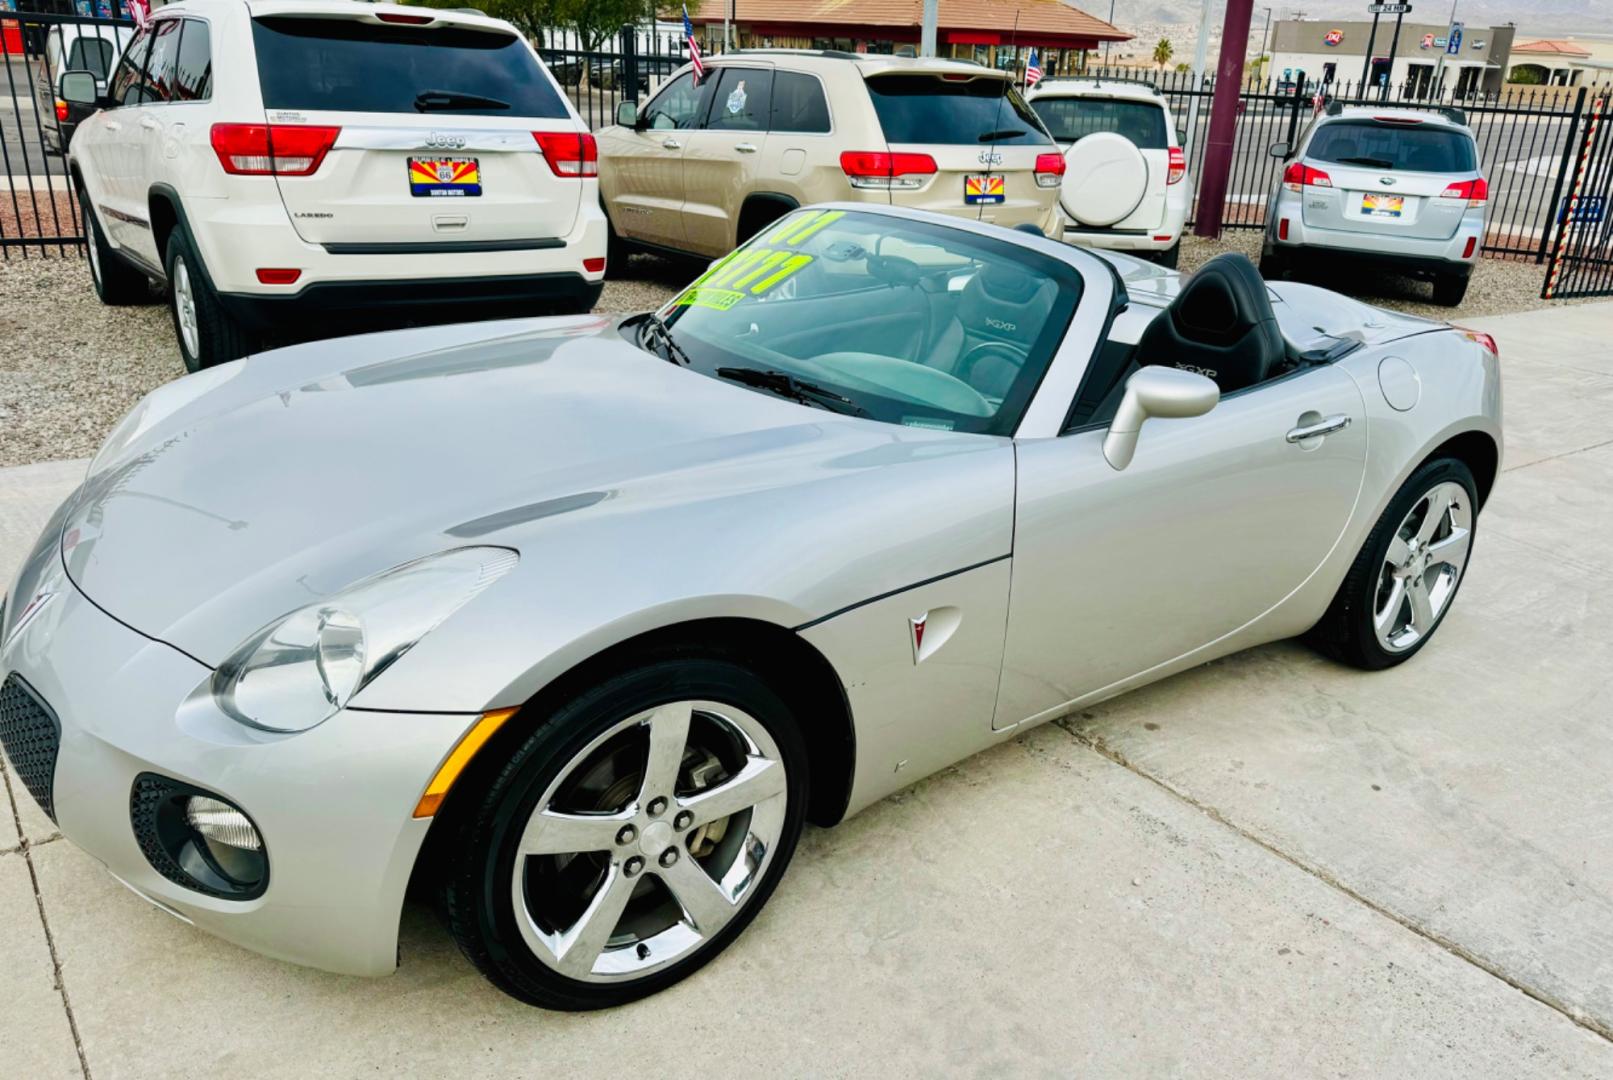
[429,180]
[1374,205]
[988,189]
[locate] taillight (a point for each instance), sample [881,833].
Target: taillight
[272,149]
[1049,170]
[593,266]
[61,111]
[569,153]
[405,20]
[1282,228]
[272,275]
[1481,339]
[1469,247]
[1178,165]
[1476,192]
[1299,175]
[878,169]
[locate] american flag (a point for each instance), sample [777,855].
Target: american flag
[139,11]
[1033,71]
[694,46]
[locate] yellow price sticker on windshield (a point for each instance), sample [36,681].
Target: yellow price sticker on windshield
[751,272]
[720,299]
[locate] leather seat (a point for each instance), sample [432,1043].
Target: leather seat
[1001,305]
[1221,324]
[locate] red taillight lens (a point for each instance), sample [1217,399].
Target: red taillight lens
[61,111]
[1480,338]
[1178,165]
[569,153]
[593,266]
[1476,192]
[1282,228]
[272,149]
[278,276]
[1299,175]
[1467,249]
[1049,170]
[406,20]
[878,169]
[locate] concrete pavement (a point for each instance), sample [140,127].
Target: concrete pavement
[1269,866]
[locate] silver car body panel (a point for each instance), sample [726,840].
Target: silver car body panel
[642,496]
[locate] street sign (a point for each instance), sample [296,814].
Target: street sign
[1389,9]
[1455,44]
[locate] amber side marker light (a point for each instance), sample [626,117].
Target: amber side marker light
[458,758]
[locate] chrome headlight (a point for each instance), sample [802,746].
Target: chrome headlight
[156,407]
[304,667]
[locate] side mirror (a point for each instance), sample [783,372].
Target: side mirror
[77,88]
[1181,136]
[627,114]
[1164,392]
[1278,149]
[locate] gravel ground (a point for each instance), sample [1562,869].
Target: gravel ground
[70,367]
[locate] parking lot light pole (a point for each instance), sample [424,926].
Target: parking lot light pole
[927,28]
[1223,118]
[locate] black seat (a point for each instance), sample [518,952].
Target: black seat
[1221,324]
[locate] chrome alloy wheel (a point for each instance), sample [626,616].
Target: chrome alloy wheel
[1422,567]
[650,840]
[185,307]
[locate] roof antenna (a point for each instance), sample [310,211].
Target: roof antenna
[996,123]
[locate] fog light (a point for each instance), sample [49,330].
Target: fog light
[196,839]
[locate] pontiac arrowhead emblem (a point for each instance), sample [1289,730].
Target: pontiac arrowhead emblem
[918,633]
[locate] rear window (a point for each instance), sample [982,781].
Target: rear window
[929,109]
[360,67]
[1409,147]
[90,54]
[1070,119]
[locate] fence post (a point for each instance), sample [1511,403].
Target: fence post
[1567,162]
[1293,116]
[629,87]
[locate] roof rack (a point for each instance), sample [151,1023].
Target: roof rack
[1332,105]
[1454,115]
[828,54]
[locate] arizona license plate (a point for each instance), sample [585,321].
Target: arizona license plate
[438,177]
[983,189]
[1382,205]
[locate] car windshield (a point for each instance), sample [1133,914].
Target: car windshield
[1409,147]
[319,63]
[1069,119]
[901,321]
[932,109]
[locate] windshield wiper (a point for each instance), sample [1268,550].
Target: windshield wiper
[1376,163]
[654,325]
[786,385]
[432,100]
[1006,133]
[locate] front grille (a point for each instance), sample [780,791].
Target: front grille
[30,734]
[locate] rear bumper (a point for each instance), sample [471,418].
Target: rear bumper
[1415,255]
[1416,265]
[358,302]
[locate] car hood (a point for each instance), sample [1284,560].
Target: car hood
[302,471]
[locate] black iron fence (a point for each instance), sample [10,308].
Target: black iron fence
[1528,136]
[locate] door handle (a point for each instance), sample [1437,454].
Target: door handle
[671,144]
[1326,426]
[745,147]
[149,123]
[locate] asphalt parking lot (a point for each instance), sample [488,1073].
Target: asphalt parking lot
[1268,866]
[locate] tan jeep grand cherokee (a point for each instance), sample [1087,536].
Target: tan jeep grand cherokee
[702,167]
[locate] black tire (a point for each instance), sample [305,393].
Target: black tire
[115,281]
[1273,266]
[1449,289]
[474,895]
[1346,632]
[219,338]
[1170,256]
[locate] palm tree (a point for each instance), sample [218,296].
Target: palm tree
[1163,52]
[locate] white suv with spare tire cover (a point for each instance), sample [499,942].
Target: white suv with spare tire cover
[300,166]
[1126,186]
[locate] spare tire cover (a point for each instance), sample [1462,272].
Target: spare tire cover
[1105,178]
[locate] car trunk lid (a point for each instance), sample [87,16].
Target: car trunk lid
[430,133]
[1387,177]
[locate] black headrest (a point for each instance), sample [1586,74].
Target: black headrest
[1221,324]
[1004,303]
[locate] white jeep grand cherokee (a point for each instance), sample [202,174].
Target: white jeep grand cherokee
[298,163]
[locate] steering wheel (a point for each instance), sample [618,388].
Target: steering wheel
[966,367]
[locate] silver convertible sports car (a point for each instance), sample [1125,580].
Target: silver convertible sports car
[572,623]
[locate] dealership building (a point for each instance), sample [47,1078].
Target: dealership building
[1335,52]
